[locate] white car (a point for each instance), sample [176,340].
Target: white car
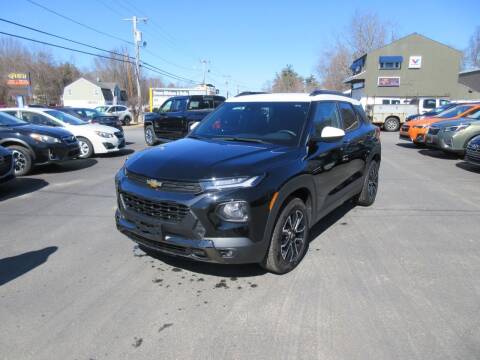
[121,111]
[92,138]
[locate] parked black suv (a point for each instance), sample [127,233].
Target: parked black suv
[93,116]
[251,179]
[35,145]
[176,116]
[6,165]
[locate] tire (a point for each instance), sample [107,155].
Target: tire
[23,160]
[150,137]
[126,120]
[86,148]
[285,253]
[370,186]
[391,124]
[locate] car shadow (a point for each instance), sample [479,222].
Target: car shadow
[66,166]
[15,266]
[20,186]
[438,154]
[468,167]
[220,270]
[408,145]
[331,219]
[122,152]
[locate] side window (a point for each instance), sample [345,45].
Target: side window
[444,102]
[361,113]
[167,106]
[14,113]
[350,121]
[385,102]
[429,103]
[121,108]
[37,119]
[326,114]
[179,104]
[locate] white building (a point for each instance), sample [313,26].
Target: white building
[158,96]
[86,93]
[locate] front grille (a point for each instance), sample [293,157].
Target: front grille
[69,139]
[5,164]
[167,185]
[162,210]
[433,130]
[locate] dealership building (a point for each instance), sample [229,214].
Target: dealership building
[411,67]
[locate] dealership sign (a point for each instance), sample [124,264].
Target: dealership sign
[389,81]
[18,79]
[415,62]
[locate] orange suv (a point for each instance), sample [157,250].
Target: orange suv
[416,130]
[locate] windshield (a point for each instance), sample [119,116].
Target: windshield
[9,120]
[457,110]
[271,122]
[66,118]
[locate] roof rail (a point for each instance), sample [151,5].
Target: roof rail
[250,93]
[327,92]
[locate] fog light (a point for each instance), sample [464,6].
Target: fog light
[226,253]
[236,211]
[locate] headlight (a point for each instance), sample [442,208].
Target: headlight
[235,211]
[45,138]
[230,183]
[456,127]
[104,134]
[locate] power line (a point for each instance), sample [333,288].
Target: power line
[65,47]
[79,23]
[63,38]
[166,73]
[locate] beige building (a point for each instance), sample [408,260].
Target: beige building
[411,67]
[86,93]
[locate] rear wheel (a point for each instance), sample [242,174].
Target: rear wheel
[289,240]
[23,160]
[86,148]
[126,120]
[150,137]
[391,124]
[370,186]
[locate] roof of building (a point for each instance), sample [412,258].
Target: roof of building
[290,97]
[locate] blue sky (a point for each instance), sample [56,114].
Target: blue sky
[246,40]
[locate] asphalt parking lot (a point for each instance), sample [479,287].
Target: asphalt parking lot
[398,280]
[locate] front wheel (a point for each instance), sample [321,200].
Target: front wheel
[150,137]
[370,186]
[86,148]
[126,120]
[23,160]
[289,241]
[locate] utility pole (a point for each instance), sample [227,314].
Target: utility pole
[137,39]
[226,84]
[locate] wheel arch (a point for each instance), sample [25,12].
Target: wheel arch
[18,142]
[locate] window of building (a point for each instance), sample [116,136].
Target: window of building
[390,62]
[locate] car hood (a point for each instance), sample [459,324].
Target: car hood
[43,130]
[90,128]
[446,123]
[192,159]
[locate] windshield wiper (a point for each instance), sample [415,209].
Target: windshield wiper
[251,140]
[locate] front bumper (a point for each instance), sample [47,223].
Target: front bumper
[48,153]
[183,224]
[107,145]
[447,141]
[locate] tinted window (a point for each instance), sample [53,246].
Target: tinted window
[66,118]
[272,122]
[444,102]
[204,102]
[167,106]
[350,121]
[385,102]
[361,113]
[38,119]
[429,103]
[179,104]
[457,110]
[326,114]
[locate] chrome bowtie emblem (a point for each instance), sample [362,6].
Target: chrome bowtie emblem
[154,184]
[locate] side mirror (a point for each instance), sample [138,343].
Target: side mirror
[331,134]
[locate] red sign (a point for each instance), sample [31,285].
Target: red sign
[18,82]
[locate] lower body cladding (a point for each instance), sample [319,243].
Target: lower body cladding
[187,225]
[56,153]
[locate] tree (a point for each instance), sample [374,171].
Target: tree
[287,81]
[365,32]
[472,54]
[311,83]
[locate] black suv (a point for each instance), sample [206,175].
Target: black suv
[176,116]
[251,179]
[35,145]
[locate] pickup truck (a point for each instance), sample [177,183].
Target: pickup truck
[390,117]
[174,119]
